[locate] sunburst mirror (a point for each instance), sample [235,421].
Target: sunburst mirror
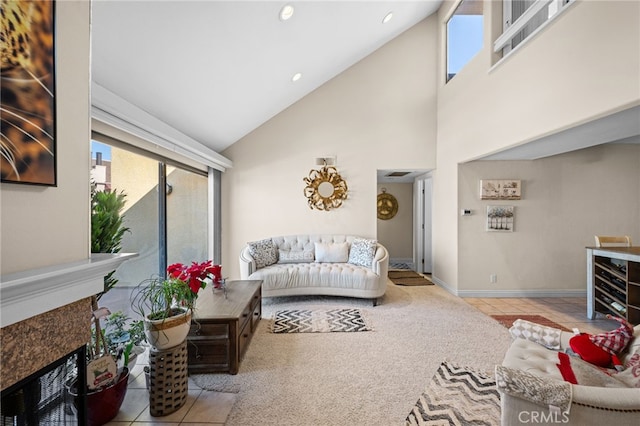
[325,188]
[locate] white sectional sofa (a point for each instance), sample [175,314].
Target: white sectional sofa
[533,391]
[335,265]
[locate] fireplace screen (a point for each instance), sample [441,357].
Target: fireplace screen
[43,398]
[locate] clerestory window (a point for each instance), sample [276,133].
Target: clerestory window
[464,35]
[523,18]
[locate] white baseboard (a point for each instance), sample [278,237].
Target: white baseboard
[510,293]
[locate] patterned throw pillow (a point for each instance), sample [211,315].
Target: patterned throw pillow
[616,340]
[291,256]
[546,336]
[332,252]
[264,252]
[362,251]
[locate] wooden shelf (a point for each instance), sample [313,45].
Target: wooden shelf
[614,283]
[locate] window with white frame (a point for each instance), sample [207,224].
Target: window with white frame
[464,35]
[523,18]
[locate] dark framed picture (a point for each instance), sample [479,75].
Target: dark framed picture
[28,99]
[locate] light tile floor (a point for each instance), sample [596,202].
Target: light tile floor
[202,407]
[212,408]
[570,312]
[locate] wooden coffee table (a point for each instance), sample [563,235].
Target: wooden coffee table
[222,326]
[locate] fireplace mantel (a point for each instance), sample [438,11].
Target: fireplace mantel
[29,293]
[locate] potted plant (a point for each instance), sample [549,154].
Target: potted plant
[124,338]
[107,227]
[166,304]
[106,384]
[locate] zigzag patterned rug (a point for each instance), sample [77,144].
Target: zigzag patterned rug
[457,396]
[319,321]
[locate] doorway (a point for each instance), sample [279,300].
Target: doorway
[408,234]
[423,253]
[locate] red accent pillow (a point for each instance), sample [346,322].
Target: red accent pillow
[588,351]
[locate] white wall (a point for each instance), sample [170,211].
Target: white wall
[581,67]
[396,234]
[379,114]
[566,200]
[44,226]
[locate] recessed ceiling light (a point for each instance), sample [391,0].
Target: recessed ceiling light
[297,76]
[387,17]
[286,12]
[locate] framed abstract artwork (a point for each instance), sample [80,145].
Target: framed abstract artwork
[28,102]
[500,189]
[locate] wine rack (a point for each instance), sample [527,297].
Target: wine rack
[615,284]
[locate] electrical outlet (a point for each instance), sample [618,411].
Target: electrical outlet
[493,278]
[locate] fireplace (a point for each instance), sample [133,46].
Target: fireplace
[43,397]
[45,315]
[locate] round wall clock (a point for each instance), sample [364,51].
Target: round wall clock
[387,205]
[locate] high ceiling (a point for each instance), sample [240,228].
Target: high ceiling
[216,70]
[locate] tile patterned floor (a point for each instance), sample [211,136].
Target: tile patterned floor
[202,407]
[212,408]
[568,311]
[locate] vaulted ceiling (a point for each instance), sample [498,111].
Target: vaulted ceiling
[216,70]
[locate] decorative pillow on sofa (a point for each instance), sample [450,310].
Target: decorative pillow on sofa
[362,251]
[264,252]
[332,252]
[548,337]
[295,256]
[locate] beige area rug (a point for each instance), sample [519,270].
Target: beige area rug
[408,278]
[371,378]
[507,320]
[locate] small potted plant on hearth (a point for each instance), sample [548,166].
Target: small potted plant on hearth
[166,304]
[124,338]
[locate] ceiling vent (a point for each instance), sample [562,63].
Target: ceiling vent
[397,174]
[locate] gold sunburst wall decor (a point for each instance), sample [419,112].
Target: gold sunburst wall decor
[387,205]
[325,188]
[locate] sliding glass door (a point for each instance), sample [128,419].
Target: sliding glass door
[166,211]
[186,216]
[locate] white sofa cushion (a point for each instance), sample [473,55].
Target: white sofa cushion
[332,252]
[329,275]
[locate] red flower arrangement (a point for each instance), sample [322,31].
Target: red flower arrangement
[156,297]
[196,274]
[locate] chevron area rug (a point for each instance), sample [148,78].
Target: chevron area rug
[319,321]
[457,396]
